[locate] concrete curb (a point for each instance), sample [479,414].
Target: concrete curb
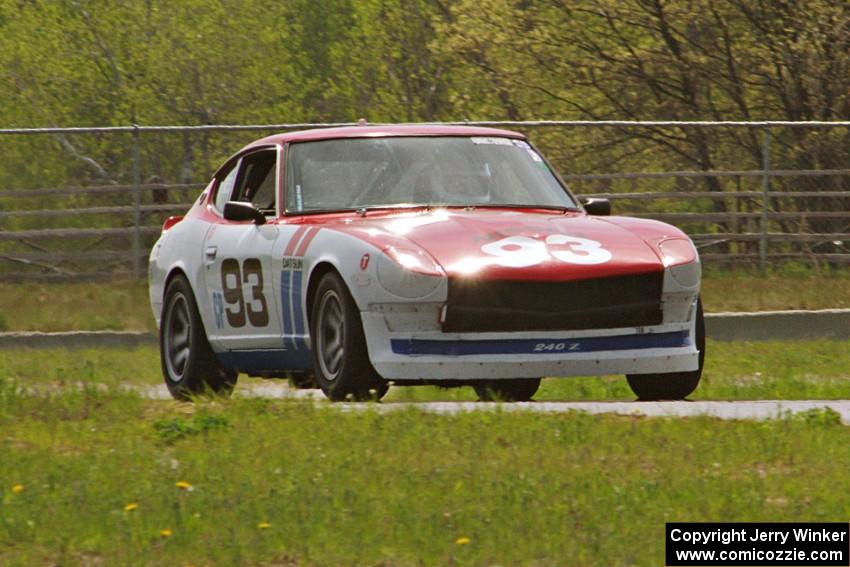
[758,326]
[778,325]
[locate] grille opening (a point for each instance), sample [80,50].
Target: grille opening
[475,306]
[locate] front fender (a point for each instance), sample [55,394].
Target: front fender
[357,261]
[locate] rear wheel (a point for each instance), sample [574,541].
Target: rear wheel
[189,365]
[340,358]
[672,385]
[510,390]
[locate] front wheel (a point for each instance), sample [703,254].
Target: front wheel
[340,359]
[672,385]
[510,390]
[189,365]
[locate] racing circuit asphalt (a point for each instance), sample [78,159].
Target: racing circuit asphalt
[756,410]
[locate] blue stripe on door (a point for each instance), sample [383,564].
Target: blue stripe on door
[292,314]
[284,306]
[291,310]
[298,312]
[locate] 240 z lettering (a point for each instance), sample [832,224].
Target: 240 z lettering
[555,347]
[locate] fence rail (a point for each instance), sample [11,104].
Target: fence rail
[108,226]
[701,174]
[49,233]
[135,128]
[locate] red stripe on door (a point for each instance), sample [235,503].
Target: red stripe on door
[305,242]
[293,242]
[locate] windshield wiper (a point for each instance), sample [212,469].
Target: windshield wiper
[363,210]
[560,208]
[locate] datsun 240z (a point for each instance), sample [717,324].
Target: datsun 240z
[357,257]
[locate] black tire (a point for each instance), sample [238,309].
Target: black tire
[673,385]
[189,365]
[340,358]
[510,390]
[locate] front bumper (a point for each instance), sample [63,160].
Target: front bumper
[434,355]
[407,342]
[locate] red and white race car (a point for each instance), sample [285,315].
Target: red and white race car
[445,255]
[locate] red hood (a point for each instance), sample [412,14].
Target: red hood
[541,245]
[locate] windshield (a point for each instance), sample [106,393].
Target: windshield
[376,172]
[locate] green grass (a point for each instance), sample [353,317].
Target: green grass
[340,488]
[733,371]
[791,287]
[124,305]
[65,367]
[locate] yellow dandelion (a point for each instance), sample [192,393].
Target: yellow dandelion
[130,507]
[18,488]
[165,533]
[462,540]
[264,525]
[183,485]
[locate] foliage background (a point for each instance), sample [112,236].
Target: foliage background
[100,62]
[196,62]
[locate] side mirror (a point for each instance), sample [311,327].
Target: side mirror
[597,207]
[242,211]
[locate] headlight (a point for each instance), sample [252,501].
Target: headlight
[681,258]
[408,273]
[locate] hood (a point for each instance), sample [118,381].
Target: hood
[518,245]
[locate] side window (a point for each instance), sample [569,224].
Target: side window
[257,180]
[225,188]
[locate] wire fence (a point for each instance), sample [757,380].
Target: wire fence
[87,203]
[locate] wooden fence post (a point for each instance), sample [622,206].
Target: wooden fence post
[765,198]
[137,204]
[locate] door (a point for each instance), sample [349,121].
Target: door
[237,260]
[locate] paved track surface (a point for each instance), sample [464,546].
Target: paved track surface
[757,410]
